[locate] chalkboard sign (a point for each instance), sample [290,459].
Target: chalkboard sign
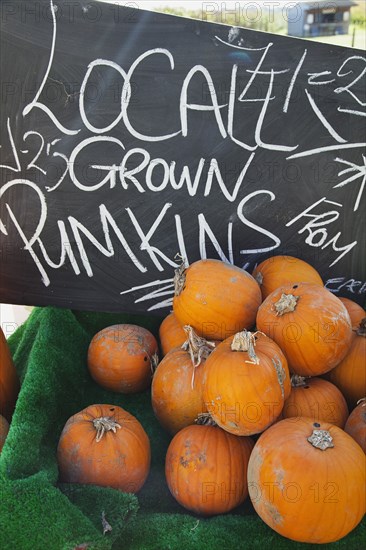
[131,139]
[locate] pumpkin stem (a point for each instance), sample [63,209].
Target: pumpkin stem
[104,424]
[361,331]
[321,439]
[298,381]
[286,304]
[245,341]
[154,361]
[259,278]
[205,419]
[179,278]
[198,348]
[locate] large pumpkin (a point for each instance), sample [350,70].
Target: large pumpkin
[310,324]
[215,298]
[245,383]
[176,390]
[355,311]
[350,374]
[307,480]
[4,429]
[122,358]
[9,381]
[317,399]
[277,271]
[104,445]
[171,334]
[356,424]
[206,469]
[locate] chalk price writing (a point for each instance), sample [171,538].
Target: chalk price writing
[37,152]
[137,171]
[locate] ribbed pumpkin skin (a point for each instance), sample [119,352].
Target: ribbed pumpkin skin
[9,381]
[283,270]
[120,460]
[356,425]
[319,400]
[171,334]
[175,402]
[350,374]
[4,429]
[120,358]
[316,336]
[206,469]
[217,300]
[355,311]
[302,492]
[245,398]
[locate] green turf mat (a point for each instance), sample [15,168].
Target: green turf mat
[38,513]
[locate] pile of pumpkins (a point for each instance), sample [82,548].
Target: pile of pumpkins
[257,378]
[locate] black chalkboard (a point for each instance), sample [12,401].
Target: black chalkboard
[130,137]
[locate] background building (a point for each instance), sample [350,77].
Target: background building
[319,18]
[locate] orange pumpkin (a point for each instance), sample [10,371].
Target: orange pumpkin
[9,381]
[171,334]
[122,358]
[310,324]
[283,270]
[307,480]
[4,429]
[206,469]
[317,399]
[356,424]
[215,298]
[104,445]
[350,374]
[245,383]
[355,311]
[176,390]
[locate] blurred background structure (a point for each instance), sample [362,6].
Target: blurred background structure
[310,19]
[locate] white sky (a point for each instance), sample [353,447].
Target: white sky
[194,4]
[213,5]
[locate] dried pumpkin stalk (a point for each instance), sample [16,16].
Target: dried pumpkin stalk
[198,348]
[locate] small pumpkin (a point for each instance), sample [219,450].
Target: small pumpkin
[355,311]
[104,445]
[171,334]
[122,358]
[307,480]
[282,270]
[350,374]
[310,324]
[215,298]
[4,430]
[9,381]
[245,383]
[317,399]
[176,390]
[206,469]
[356,424]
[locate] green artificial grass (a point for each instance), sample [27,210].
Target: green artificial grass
[38,513]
